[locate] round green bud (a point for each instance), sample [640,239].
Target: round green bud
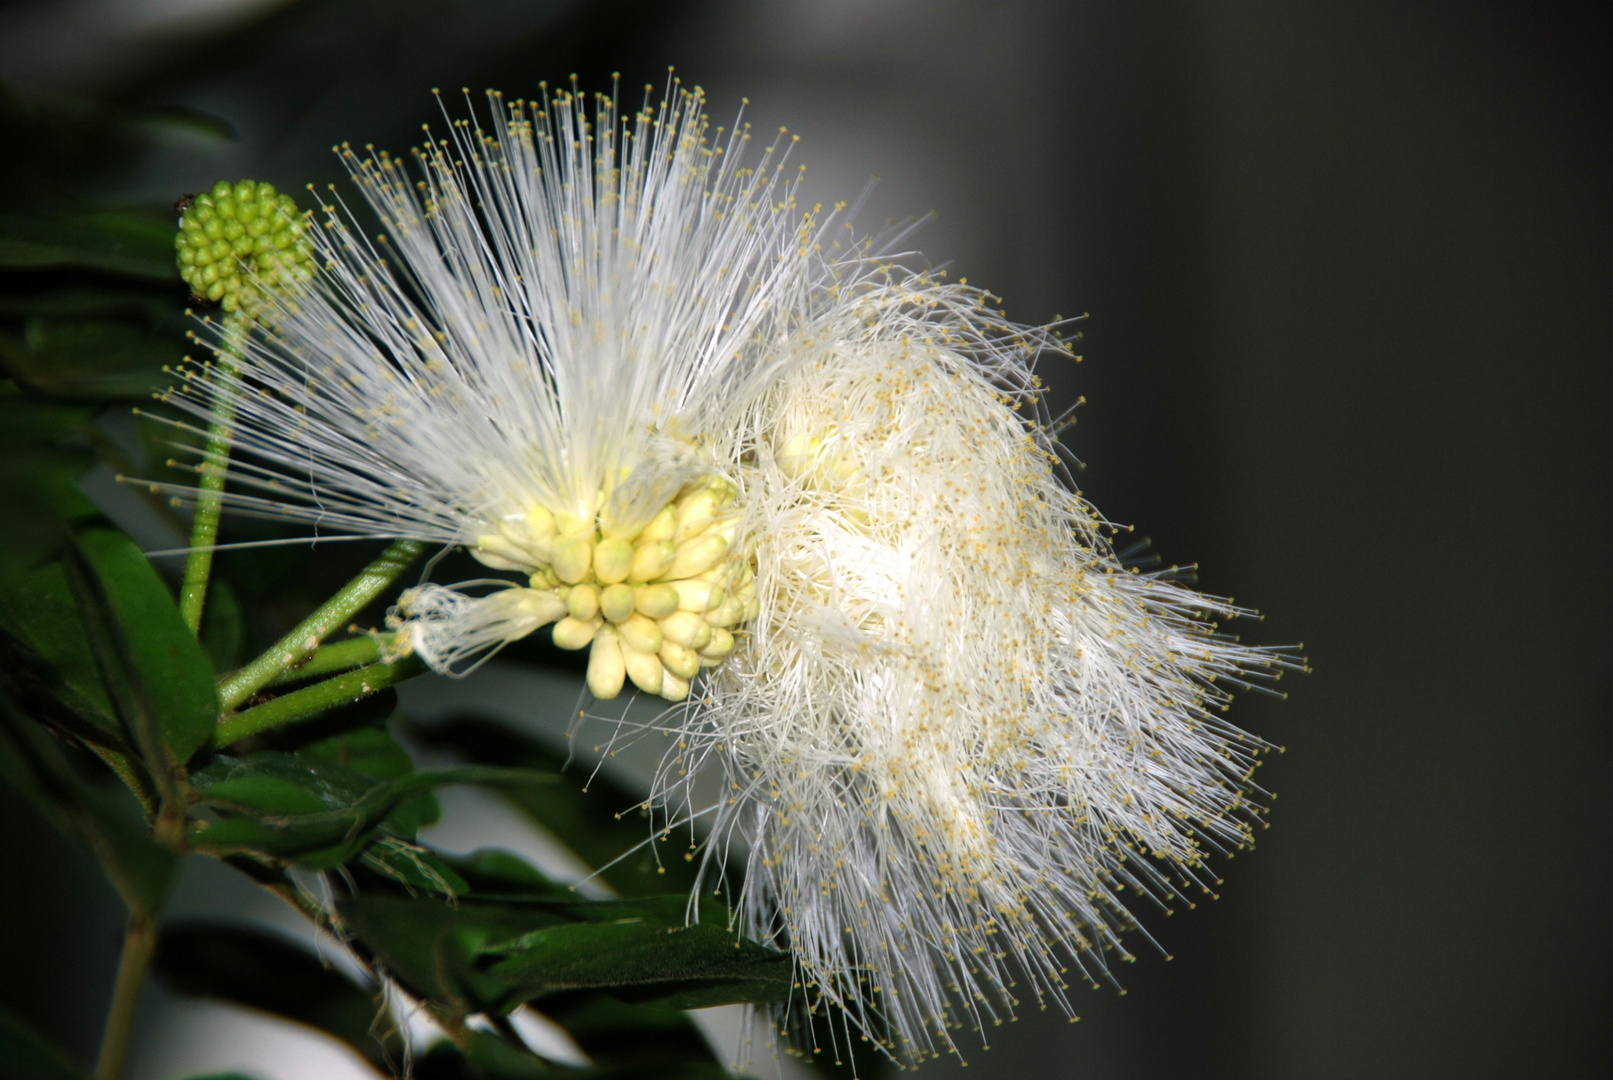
[238,238]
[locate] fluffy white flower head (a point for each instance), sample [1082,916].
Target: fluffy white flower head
[799,490]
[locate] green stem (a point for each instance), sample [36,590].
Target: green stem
[328,659]
[215,464]
[139,939]
[304,639]
[315,699]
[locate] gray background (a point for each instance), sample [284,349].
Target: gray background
[1347,266]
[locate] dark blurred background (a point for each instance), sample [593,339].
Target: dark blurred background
[1347,266]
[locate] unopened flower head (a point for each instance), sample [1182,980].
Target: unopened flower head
[795,487]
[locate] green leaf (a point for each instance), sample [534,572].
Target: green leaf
[98,361]
[432,947]
[29,423]
[192,125]
[359,743]
[311,786]
[267,972]
[138,245]
[367,751]
[414,867]
[599,823]
[265,820]
[110,827]
[636,960]
[151,307]
[491,955]
[39,489]
[222,633]
[618,1036]
[491,872]
[25,1055]
[330,774]
[484,1056]
[43,449]
[440,949]
[156,670]
[43,642]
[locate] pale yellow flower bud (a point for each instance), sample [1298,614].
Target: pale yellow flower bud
[571,633]
[644,669]
[613,558]
[656,601]
[606,666]
[698,555]
[582,602]
[616,602]
[573,559]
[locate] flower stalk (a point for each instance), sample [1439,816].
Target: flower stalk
[305,638]
[214,467]
[313,700]
[335,657]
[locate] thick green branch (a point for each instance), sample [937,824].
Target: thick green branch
[315,699]
[305,638]
[139,939]
[215,464]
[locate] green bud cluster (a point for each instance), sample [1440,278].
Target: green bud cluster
[236,238]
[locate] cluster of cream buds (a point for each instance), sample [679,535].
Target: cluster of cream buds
[654,604]
[236,237]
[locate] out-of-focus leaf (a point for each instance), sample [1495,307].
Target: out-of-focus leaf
[492,872]
[353,737]
[111,828]
[485,1056]
[599,823]
[43,453]
[138,245]
[222,634]
[26,422]
[166,678]
[25,1055]
[151,306]
[98,361]
[168,455]
[486,955]
[432,947]
[265,971]
[43,641]
[334,773]
[277,784]
[414,866]
[619,1036]
[254,792]
[190,124]
[690,967]
[368,751]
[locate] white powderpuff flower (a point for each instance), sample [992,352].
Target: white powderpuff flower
[805,492]
[958,729]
